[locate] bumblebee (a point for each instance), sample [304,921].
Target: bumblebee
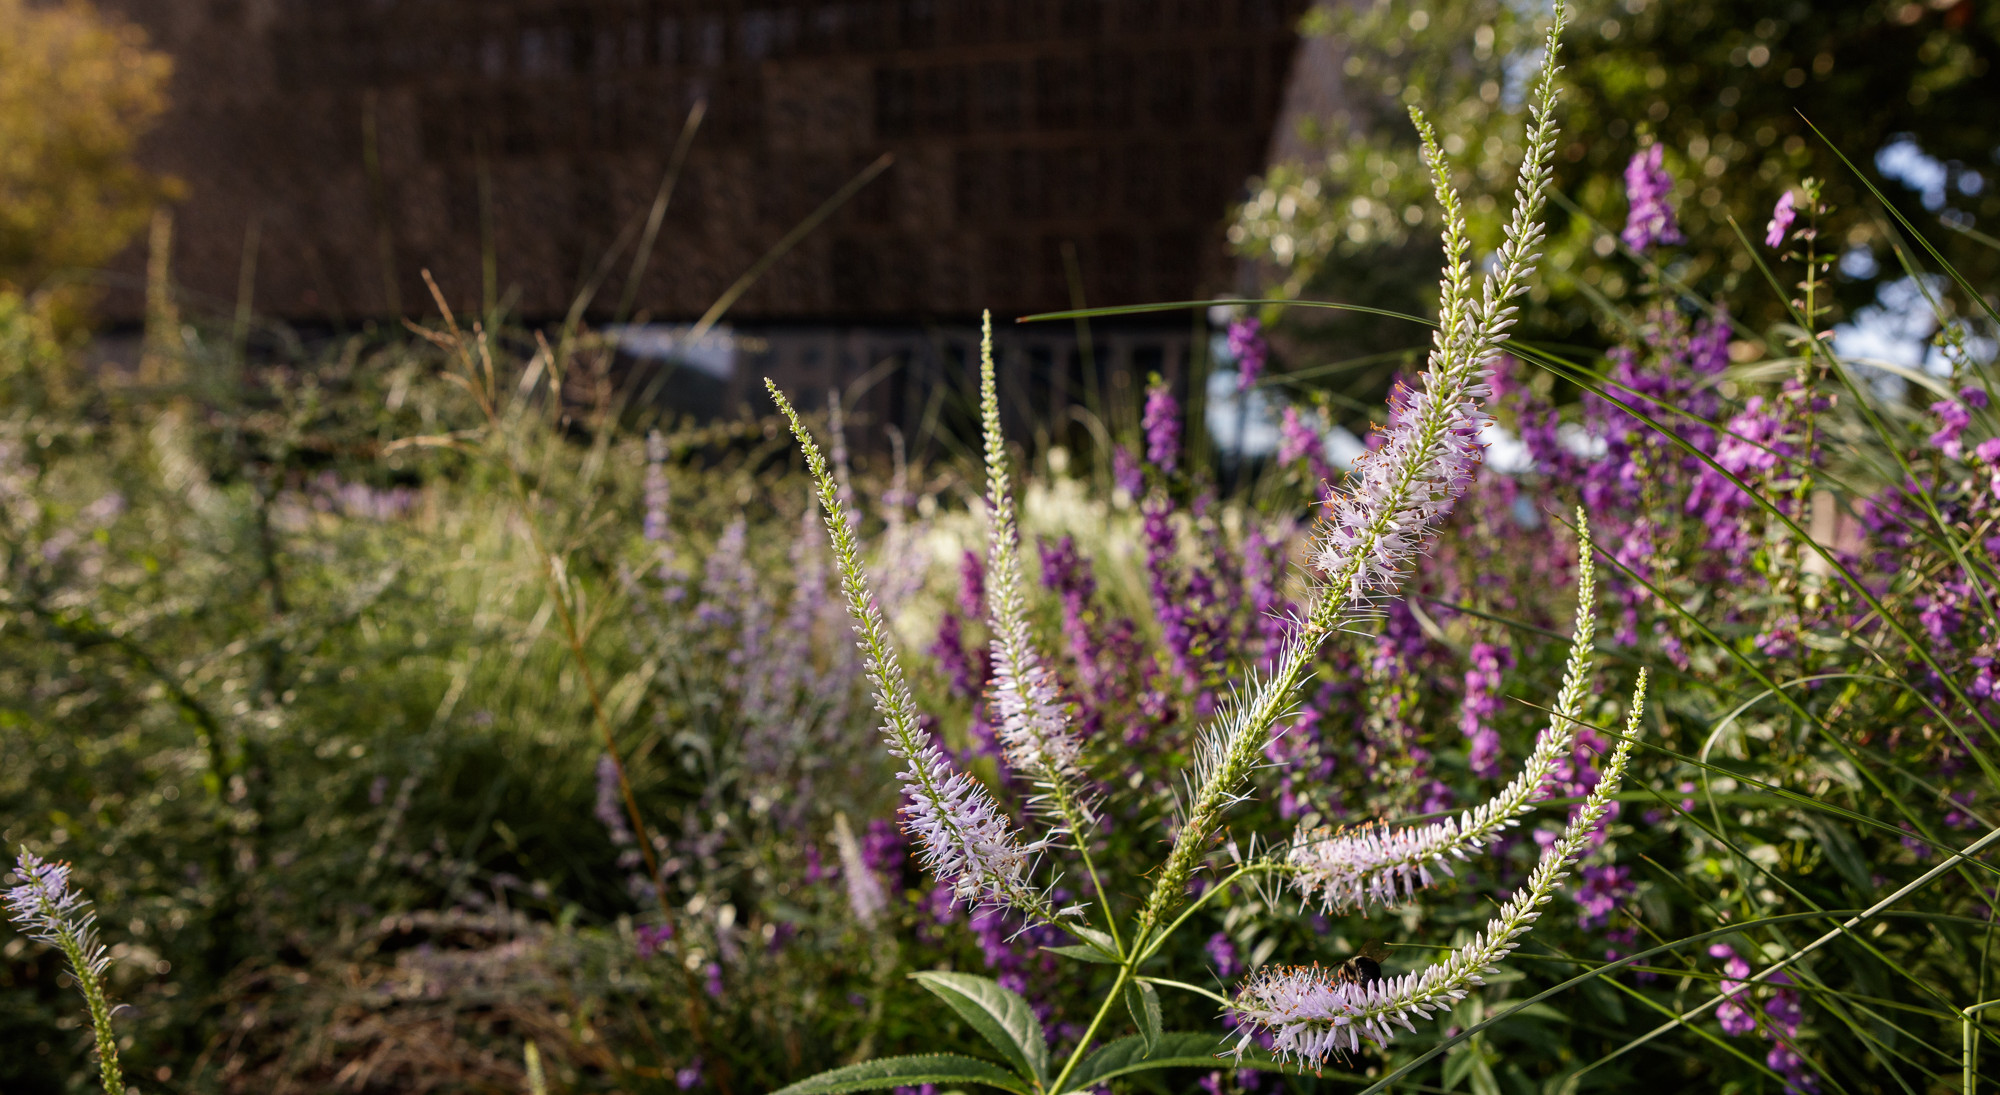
[1364,968]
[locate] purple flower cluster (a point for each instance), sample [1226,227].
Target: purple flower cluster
[1482,702]
[1252,354]
[44,904]
[1296,439]
[610,807]
[1953,416]
[1735,1018]
[965,671]
[971,585]
[1399,494]
[1263,571]
[1163,579]
[1103,648]
[1299,439]
[1600,890]
[656,493]
[1222,956]
[1648,186]
[647,939]
[1126,473]
[1161,422]
[1782,216]
[1632,478]
[1299,754]
[329,493]
[1783,1013]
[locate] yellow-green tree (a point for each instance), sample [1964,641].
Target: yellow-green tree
[77,90]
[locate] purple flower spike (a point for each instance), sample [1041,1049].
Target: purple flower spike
[1482,703]
[49,909]
[1222,952]
[610,809]
[657,491]
[1953,417]
[1162,423]
[1246,342]
[1647,187]
[44,905]
[648,939]
[1782,216]
[972,585]
[1296,438]
[1126,472]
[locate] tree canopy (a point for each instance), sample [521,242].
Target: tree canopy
[1730,90]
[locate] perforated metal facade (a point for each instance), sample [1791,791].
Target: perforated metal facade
[360,135]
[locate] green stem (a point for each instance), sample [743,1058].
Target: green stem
[1083,1043]
[1185,987]
[1066,805]
[100,1011]
[1170,929]
[1128,970]
[1969,1053]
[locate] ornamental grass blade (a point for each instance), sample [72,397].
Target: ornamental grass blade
[1175,1049]
[999,1014]
[928,1068]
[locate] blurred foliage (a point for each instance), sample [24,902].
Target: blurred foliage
[285,675]
[283,669]
[78,90]
[1727,86]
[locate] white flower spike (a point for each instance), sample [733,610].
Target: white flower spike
[1379,865]
[1312,1015]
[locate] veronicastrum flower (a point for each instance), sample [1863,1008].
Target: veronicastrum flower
[1312,1016]
[864,891]
[1351,869]
[964,838]
[1035,734]
[1399,494]
[48,909]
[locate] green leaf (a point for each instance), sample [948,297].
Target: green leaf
[1483,1081]
[1000,1016]
[1457,1065]
[1175,1049]
[1143,1001]
[1097,946]
[1085,953]
[1841,851]
[929,1068]
[1100,940]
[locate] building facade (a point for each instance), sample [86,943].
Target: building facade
[1042,149]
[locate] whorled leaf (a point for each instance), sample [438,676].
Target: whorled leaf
[928,1068]
[1143,1001]
[1175,1049]
[999,1014]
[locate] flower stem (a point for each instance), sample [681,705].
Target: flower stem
[92,985]
[1103,1009]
